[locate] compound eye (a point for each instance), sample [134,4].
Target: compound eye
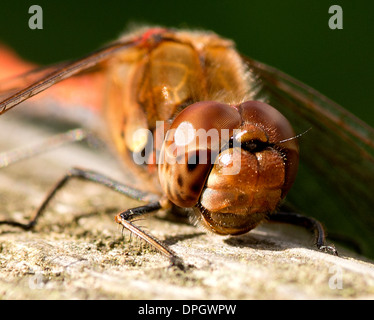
[191,147]
[276,126]
[267,126]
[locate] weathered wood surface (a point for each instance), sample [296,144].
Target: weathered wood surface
[78,252]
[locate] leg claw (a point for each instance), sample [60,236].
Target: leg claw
[329,249]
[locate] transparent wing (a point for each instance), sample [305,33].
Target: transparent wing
[9,87]
[336,177]
[16,90]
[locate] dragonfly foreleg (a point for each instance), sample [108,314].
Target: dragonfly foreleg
[124,218]
[85,175]
[306,222]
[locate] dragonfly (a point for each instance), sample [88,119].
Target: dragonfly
[155,86]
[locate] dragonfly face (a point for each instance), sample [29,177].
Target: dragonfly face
[233,181]
[197,80]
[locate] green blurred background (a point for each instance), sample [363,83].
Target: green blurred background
[292,35]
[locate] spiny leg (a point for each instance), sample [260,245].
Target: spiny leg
[8,158]
[306,222]
[124,218]
[85,175]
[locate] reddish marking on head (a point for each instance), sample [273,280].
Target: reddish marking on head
[151,32]
[151,36]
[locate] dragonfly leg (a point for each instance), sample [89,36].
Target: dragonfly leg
[306,222]
[85,175]
[124,218]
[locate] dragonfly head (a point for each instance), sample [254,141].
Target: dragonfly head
[225,161]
